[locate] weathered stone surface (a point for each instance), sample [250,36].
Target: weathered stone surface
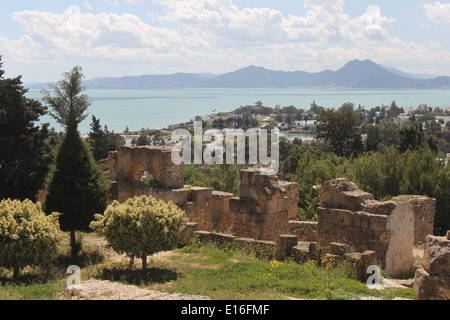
[222,217]
[431,287]
[424,209]
[350,216]
[263,208]
[285,244]
[129,163]
[304,230]
[399,256]
[436,257]
[300,253]
[339,248]
[360,263]
[342,193]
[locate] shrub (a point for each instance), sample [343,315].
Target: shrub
[27,235]
[141,226]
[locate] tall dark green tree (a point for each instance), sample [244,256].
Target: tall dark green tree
[77,187]
[102,141]
[24,153]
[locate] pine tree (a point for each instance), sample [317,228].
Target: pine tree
[24,153]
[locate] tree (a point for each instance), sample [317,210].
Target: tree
[68,105]
[77,187]
[340,129]
[24,152]
[27,235]
[102,141]
[411,137]
[141,226]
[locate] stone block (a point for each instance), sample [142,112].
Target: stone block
[342,193]
[430,287]
[436,256]
[323,215]
[201,194]
[377,222]
[285,244]
[315,252]
[300,253]
[338,248]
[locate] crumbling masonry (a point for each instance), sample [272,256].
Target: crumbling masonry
[267,209]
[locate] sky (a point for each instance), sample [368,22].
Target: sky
[42,39]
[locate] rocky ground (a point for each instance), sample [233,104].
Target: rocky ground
[107,290]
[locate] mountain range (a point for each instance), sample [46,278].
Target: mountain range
[355,74]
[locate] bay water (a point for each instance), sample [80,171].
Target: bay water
[159,108]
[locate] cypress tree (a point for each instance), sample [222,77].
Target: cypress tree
[77,187]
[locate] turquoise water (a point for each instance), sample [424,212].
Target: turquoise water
[155,108]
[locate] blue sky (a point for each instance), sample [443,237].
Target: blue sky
[42,39]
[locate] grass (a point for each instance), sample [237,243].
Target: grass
[219,273]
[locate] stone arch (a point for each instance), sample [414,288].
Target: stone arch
[129,163]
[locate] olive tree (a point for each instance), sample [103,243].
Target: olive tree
[141,226]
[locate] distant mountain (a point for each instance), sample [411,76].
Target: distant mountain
[355,74]
[410,75]
[177,80]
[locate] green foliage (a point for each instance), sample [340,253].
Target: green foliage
[310,167]
[25,154]
[385,174]
[219,177]
[340,129]
[102,141]
[141,226]
[68,105]
[77,187]
[392,173]
[27,235]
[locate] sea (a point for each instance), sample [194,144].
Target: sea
[135,109]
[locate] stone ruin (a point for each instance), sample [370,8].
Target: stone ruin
[390,228]
[349,221]
[262,211]
[432,280]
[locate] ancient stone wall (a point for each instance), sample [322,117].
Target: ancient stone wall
[261,212]
[424,209]
[130,163]
[432,281]
[351,216]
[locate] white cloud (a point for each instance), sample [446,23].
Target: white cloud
[438,13]
[219,36]
[102,35]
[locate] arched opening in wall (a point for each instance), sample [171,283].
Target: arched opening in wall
[134,171]
[144,174]
[150,180]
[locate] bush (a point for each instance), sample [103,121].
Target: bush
[27,235]
[141,226]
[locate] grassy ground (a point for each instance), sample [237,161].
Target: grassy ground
[197,270]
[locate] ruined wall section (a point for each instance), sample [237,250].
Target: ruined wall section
[262,211]
[432,281]
[351,216]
